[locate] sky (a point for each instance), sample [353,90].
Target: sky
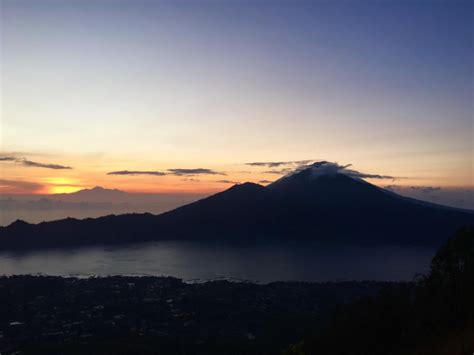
[180,96]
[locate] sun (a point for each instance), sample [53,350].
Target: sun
[62,185]
[63,189]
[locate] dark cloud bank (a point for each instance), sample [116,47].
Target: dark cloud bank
[42,165]
[198,171]
[175,172]
[136,172]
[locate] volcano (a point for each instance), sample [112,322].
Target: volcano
[306,205]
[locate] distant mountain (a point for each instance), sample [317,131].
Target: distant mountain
[96,194]
[330,208]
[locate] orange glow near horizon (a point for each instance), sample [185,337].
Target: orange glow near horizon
[90,172]
[62,185]
[63,189]
[172,184]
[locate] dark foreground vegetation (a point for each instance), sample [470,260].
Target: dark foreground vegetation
[436,316]
[153,315]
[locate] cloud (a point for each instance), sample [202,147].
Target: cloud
[227,182]
[278,172]
[191,180]
[26,162]
[360,175]
[426,189]
[422,189]
[19,185]
[449,196]
[175,172]
[330,168]
[275,164]
[197,171]
[136,172]
[270,164]
[42,165]
[264,181]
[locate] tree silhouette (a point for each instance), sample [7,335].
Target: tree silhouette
[434,315]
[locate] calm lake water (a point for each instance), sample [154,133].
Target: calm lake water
[200,262]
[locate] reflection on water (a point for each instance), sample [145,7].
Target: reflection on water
[261,263]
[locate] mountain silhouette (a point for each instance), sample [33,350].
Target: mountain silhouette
[332,208]
[96,194]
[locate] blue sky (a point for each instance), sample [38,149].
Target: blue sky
[114,85]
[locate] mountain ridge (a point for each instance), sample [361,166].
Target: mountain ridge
[331,208]
[95,194]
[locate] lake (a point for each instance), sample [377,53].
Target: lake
[209,261]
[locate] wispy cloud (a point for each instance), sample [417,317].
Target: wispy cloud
[227,182]
[426,189]
[423,189]
[197,171]
[43,165]
[136,172]
[278,172]
[275,164]
[174,172]
[264,181]
[191,180]
[360,175]
[29,163]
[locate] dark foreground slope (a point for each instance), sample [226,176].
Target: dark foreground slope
[328,208]
[434,317]
[150,315]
